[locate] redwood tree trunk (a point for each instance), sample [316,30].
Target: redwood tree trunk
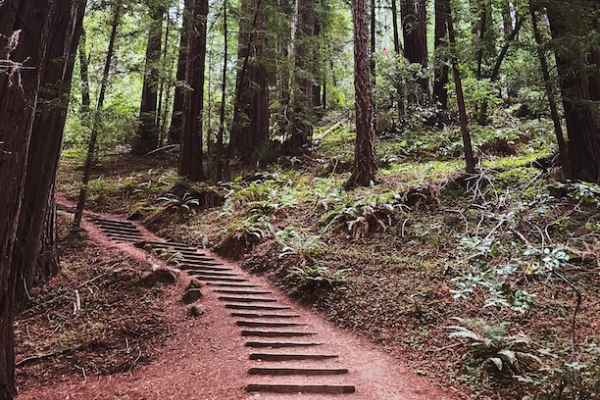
[440,80]
[176,116]
[560,137]
[46,144]
[414,27]
[191,157]
[365,166]
[87,169]
[304,102]
[24,30]
[250,128]
[462,109]
[84,74]
[147,139]
[571,19]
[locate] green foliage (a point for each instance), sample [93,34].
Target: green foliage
[563,378]
[292,243]
[312,279]
[184,204]
[362,217]
[250,229]
[493,349]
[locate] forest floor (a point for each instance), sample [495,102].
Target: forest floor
[473,281]
[107,328]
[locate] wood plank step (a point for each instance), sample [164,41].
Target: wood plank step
[198,257]
[213,278]
[273,316]
[233,285]
[291,357]
[256,307]
[280,345]
[211,273]
[297,371]
[247,299]
[164,245]
[127,229]
[246,292]
[108,220]
[123,235]
[310,389]
[276,333]
[186,267]
[195,263]
[266,324]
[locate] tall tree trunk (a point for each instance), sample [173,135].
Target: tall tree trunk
[147,138]
[176,116]
[482,120]
[560,137]
[250,127]
[414,27]
[571,20]
[373,34]
[84,75]
[191,155]
[398,50]
[482,9]
[303,103]
[24,30]
[46,144]
[87,168]
[395,26]
[440,80]
[365,166]
[162,97]
[507,19]
[221,134]
[462,109]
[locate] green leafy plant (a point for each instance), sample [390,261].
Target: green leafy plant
[182,204]
[493,349]
[310,279]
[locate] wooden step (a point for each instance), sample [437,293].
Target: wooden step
[265,324]
[247,299]
[291,357]
[307,389]
[240,292]
[276,333]
[281,345]
[256,307]
[297,371]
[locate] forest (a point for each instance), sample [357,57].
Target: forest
[422,176]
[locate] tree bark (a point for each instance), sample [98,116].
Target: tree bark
[303,104]
[24,30]
[560,137]
[250,127]
[440,80]
[221,134]
[373,34]
[176,116]
[395,26]
[84,74]
[365,166]
[147,139]
[414,27]
[482,120]
[45,147]
[462,109]
[87,169]
[571,20]
[191,155]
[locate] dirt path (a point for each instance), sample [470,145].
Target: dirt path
[251,342]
